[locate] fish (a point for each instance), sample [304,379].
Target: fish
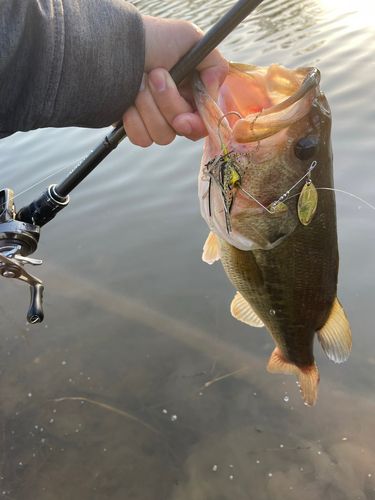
[266,193]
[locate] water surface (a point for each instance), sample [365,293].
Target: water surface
[135,321]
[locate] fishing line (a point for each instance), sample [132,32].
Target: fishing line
[74,162]
[286,196]
[339,191]
[350,194]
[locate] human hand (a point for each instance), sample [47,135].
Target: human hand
[161,110]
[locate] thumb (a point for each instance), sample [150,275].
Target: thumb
[213,76]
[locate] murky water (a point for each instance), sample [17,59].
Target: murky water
[167,395]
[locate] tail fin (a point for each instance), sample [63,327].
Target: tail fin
[308,376]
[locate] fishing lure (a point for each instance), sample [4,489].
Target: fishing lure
[224,170]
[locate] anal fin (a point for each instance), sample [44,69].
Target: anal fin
[211,251]
[242,311]
[335,336]
[308,376]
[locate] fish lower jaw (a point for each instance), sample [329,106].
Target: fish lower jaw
[234,240]
[239,241]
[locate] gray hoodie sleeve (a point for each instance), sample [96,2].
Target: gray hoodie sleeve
[68,62]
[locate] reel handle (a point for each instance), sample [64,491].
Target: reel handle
[35,313]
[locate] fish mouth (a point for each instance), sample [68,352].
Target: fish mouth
[280,97]
[248,130]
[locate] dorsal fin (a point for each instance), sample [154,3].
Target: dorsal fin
[211,251]
[242,311]
[335,336]
[308,376]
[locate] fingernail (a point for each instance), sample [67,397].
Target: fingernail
[211,82]
[184,128]
[158,81]
[143,83]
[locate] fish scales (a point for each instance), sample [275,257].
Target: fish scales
[300,288]
[280,249]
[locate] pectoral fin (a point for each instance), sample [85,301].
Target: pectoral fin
[308,376]
[335,336]
[242,311]
[211,251]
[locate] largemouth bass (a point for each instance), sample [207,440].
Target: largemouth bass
[267,154]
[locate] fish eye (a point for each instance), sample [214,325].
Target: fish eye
[306,148]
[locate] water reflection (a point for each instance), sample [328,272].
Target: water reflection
[201,12]
[284,23]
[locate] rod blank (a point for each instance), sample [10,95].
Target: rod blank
[181,70]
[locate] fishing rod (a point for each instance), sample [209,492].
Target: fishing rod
[20,231]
